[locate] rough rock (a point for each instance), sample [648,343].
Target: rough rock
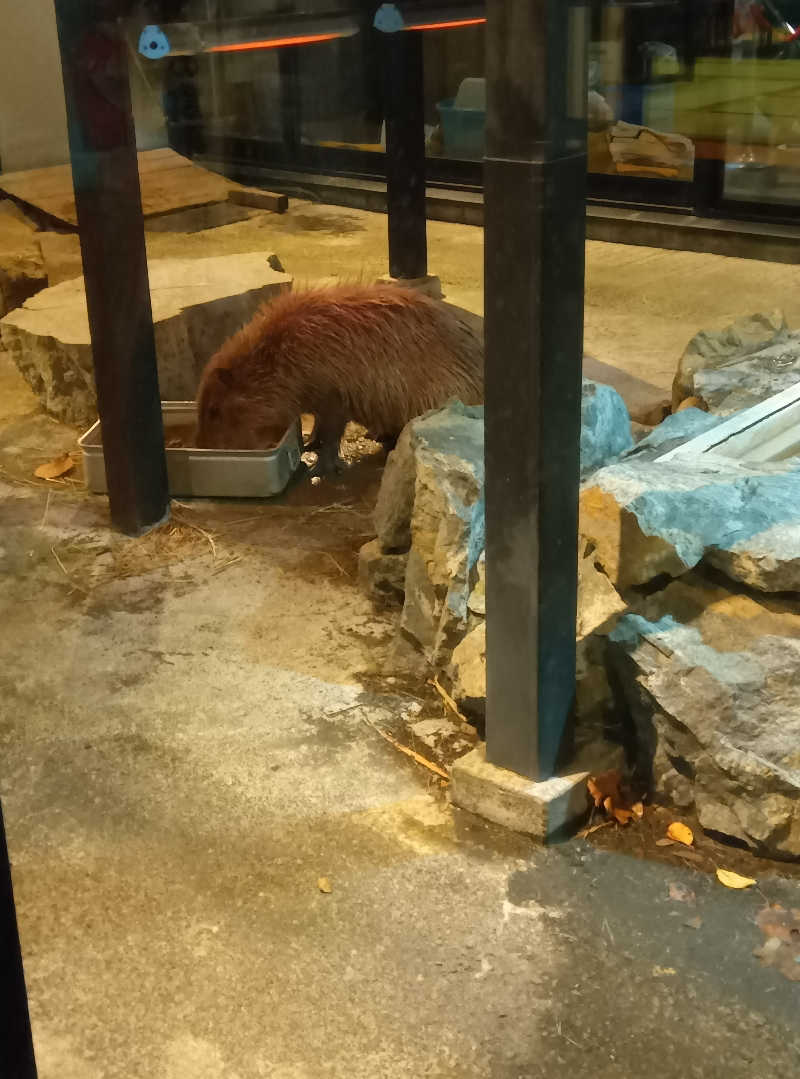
[740,365]
[726,390]
[197,305]
[594,699]
[431,506]
[447,528]
[647,518]
[477,597]
[22,272]
[605,426]
[599,603]
[382,575]
[710,678]
[468,673]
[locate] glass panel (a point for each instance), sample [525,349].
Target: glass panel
[758,93]
[455,93]
[639,64]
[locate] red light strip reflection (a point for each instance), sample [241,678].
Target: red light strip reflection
[274,43]
[448,25]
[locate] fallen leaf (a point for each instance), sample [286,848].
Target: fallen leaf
[734,880]
[681,893]
[664,842]
[622,816]
[59,466]
[694,923]
[681,833]
[325,885]
[661,971]
[638,809]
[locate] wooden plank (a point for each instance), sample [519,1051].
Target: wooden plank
[169,182]
[260,200]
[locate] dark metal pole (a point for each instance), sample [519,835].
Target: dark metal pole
[534,192]
[16,1042]
[404,112]
[108,200]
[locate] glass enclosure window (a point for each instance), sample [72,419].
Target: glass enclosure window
[691,102]
[759,97]
[641,56]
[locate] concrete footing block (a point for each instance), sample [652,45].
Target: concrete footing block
[430,284]
[545,810]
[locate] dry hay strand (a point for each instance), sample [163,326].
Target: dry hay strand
[90,565]
[168,544]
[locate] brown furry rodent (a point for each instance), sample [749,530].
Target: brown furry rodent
[376,354]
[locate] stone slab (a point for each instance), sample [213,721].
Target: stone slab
[22,272]
[545,810]
[61,252]
[197,304]
[168,181]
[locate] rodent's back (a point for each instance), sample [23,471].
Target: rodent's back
[384,353]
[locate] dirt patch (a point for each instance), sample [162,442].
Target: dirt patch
[644,839]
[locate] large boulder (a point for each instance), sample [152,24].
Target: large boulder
[431,511]
[709,677]
[197,304]
[746,362]
[648,518]
[446,530]
[605,426]
[22,272]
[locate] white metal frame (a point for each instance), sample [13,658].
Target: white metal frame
[768,431]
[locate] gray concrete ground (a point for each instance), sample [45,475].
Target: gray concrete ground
[185,754]
[185,749]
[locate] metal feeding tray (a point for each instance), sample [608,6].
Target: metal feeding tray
[206,473]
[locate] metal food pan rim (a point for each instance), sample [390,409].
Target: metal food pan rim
[96,449]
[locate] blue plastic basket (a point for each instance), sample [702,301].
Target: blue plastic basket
[463,130]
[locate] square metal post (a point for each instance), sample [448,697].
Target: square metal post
[534,191]
[108,200]
[404,113]
[16,1043]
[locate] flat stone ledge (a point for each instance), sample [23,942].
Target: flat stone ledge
[543,810]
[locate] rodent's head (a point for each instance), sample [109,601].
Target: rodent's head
[231,416]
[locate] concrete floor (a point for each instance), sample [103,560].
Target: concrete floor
[185,752]
[642,308]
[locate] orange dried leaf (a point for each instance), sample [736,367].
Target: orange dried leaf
[56,468]
[638,810]
[325,885]
[681,833]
